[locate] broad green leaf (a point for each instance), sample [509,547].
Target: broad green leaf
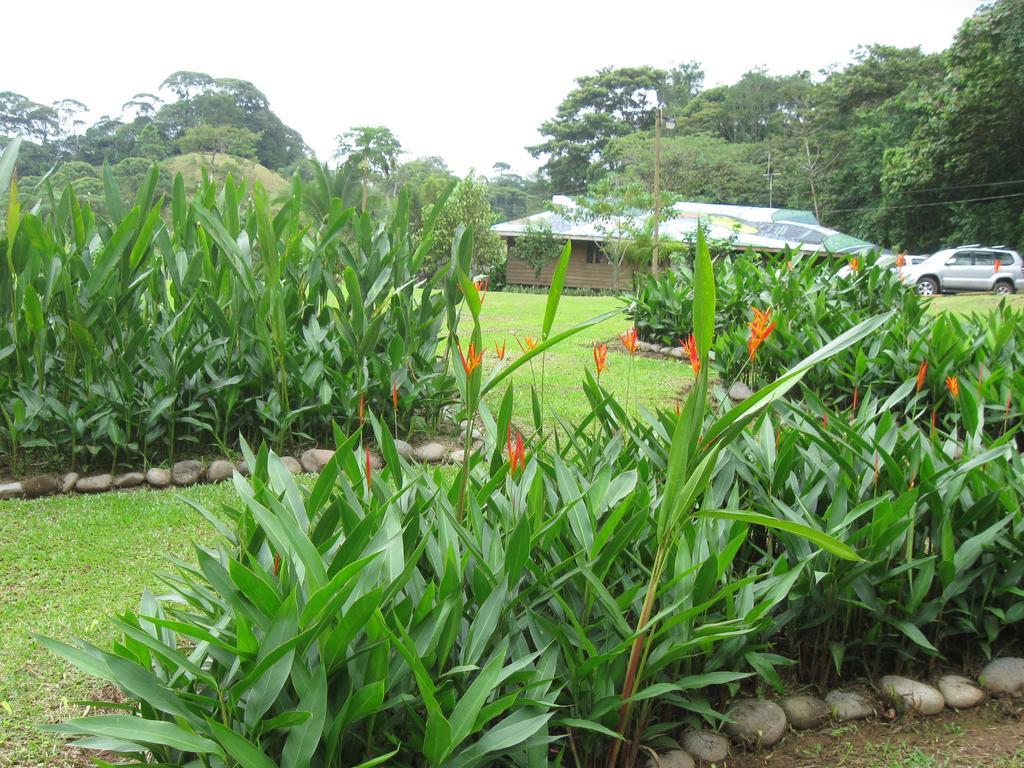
[555,291]
[820,539]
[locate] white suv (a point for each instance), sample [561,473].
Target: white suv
[967,268]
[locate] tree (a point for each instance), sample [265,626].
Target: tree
[373,145]
[425,179]
[536,246]
[151,143]
[219,139]
[702,168]
[467,207]
[972,145]
[610,103]
[204,100]
[142,105]
[751,110]
[617,209]
[373,150]
[20,116]
[514,196]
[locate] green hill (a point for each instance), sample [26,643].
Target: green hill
[190,167]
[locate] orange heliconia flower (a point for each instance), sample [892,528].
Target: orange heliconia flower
[362,408]
[856,396]
[369,469]
[901,260]
[761,328]
[471,361]
[277,564]
[690,345]
[500,351]
[516,452]
[922,371]
[953,385]
[601,358]
[629,340]
[855,264]
[998,265]
[394,395]
[526,343]
[481,286]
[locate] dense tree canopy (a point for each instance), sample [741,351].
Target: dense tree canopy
[201,108]
[900,147]
[610,103]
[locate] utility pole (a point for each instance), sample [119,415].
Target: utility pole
[770,176]
[657,188]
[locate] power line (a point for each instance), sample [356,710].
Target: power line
[924,205]
[961,186]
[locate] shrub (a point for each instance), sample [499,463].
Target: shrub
[132,337]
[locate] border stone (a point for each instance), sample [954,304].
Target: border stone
[756,723]
[219,470]
[158,477]
[910,696]
[187,472]
[41,485]
[94,484]
[706,746]
[67,483]
[11,491]
[960,692]
[848,705]
[739,392]
[677,758]
[404,450]
[128,480]
[804,711]
[315,459]
[429,453]
[292,464]
[1003,677]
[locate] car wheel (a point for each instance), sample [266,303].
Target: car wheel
[927,286]
[1002,288]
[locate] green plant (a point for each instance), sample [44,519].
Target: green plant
[387,616]
[131,337]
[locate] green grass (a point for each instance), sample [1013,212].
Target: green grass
[65,564]
[965,303]
[654,382]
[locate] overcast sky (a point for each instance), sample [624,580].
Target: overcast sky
[469,81]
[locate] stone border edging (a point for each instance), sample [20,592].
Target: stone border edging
[762,723]
[192,472]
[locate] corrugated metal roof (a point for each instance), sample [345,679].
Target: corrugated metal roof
[747,226]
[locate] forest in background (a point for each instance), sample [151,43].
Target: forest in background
[899,147]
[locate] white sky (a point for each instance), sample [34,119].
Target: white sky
[469,81]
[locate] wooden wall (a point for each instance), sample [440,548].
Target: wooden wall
[579,275]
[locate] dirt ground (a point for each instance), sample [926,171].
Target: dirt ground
[991,736]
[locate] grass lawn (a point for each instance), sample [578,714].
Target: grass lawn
[65,564]
[654,381]
[965,303]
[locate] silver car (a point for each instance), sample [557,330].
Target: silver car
[967,268]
